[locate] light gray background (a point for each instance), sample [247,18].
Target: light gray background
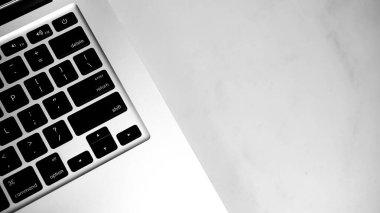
[280,99]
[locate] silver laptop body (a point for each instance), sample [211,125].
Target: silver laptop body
[73,96]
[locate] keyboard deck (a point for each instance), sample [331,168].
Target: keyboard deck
[63,110]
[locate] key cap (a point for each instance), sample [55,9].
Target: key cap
[32,147]
[101,142]
[1,83]
[128,135]
[13,98]
[4,204]
[91,88]
[57,134]
[9,131]
[69,42]
[57,105]
[39,86]
[87,61]
[1,113]
[39,34]
[32,118]
[14,69]
[9,160]
[64,73]
[64,22]
[39,57]
[52,169]
[22,184]
[97,113]
[78,162]
[13,46]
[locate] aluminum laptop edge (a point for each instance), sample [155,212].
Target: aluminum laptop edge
[160,175]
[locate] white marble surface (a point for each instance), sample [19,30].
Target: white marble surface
[280,99]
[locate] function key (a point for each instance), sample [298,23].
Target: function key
[4,204]
[32,147]
[80,161]
[39,34]
[14,69]
[52,169]
[39,57]
[65,21]
[9,131]
[101,142]
[87,61]
[32,118]
[13,98]
[69,42]
[63,73]
[22,184]
[13,46]
[9,160]
[39,86]
[128,135]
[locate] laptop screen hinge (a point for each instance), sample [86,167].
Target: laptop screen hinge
[12,9]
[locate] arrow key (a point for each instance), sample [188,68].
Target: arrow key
[80,161]
[128,135]
[101,142]
[32,147]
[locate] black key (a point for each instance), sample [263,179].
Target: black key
[39,57]
[22,184]
[9,160]
[87,61]
[52,169]
[13,46]
[32,118]
[63,73]
[32,147]
[39,86]
[9,131]
[39,34]
[80,161]
[14,69]
[64,22]
[91,88]
[97,113]
[4,204]
[57,105]
[101,142]
[1,84]
[128,135]
[69,42]
[13,98]
[1,113]
[57,134]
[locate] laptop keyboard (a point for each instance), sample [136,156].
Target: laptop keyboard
[63,111]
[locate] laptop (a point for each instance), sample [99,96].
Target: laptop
[82,126]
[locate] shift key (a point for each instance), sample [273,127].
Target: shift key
[97,113]
[69,42]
